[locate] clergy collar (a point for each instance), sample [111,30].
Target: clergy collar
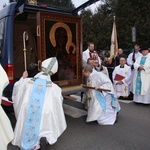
[92,51]
[121,66]
[146,55]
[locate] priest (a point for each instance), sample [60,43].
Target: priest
[38,108]
[91,53]
[131,60]
[102,104]
[141,80]
[122,78]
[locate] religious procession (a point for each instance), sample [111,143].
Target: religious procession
[56,96]
[129,75]
[37,101]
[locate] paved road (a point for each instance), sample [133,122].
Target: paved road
[131,132]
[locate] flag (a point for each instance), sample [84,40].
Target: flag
[114,43]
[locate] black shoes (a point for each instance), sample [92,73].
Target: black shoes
[43,143]
[130,97]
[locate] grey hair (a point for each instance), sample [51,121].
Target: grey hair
[136,45]
[87,68]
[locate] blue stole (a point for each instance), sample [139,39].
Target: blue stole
[115,103]
[34,114]
[138,78]
[102,101]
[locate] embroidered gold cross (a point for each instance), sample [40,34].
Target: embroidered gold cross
[125,89]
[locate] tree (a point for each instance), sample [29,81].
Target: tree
[66,5]
[98,26]
[87,27]
[103,24]
[128,14]
[133,13]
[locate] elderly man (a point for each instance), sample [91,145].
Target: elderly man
[102,103]
[131,60]
[122,78]
[117,58]
[38,108]
[133,56]
[141,80]
[6,131]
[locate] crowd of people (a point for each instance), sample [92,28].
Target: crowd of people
[38,101]
[129,75]
[101,101]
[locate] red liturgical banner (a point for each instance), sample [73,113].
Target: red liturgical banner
[118,77]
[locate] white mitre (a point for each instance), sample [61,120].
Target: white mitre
[50,65]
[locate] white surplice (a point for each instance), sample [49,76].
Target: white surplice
[86,55]
[95,111]
[6,131]
[104,70]
[53,121]
[144,97]
[122,89]
[129,59]
[130,63]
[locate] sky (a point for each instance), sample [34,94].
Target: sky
[3,2]
[75,2]
[92,7]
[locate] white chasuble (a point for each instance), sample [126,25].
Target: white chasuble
[52,122]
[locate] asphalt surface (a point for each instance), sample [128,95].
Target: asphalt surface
[130,132]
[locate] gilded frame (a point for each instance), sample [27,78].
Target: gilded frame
[55,31]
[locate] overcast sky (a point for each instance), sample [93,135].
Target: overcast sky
[2,2]
[80,2]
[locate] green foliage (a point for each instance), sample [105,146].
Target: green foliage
[87,24]
[133,13]
[66,5]
[97,27]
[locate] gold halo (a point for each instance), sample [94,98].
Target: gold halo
[69,34]
[73,45]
